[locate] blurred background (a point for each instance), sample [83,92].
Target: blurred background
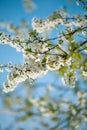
[45,104]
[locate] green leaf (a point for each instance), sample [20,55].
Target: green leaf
[15,75]
[54,118]
[75,64]
[7,102]
[85,7]
[44,124]
[30,114]
[34,32]
[73,46]
[28,103]
[0,33]
[28,50]
[21,119]
[70,38]
[44,60]
[62,70]
[50,106]
[76,56]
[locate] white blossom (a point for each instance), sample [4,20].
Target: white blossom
[84,73]
[40,54]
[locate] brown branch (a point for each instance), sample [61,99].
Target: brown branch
[11,67]
[57,126]
[50,39]
[76,30]
[83,43]
[57,45]
[71,33]
[82,49]
[62,50]
[44,51]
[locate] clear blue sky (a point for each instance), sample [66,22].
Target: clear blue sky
[13,11]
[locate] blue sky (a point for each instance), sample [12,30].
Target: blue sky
[13,11]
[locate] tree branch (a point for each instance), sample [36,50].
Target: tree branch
[83,43]
[82,49]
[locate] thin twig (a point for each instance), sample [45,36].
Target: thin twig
[50,39]
[83,2]
[83,43]
[82,49]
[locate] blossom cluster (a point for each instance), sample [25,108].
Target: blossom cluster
[20,73]
[45,25]
[29,5]
[41,54]
[55,19]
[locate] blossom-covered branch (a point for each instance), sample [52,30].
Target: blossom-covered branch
[41,54]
